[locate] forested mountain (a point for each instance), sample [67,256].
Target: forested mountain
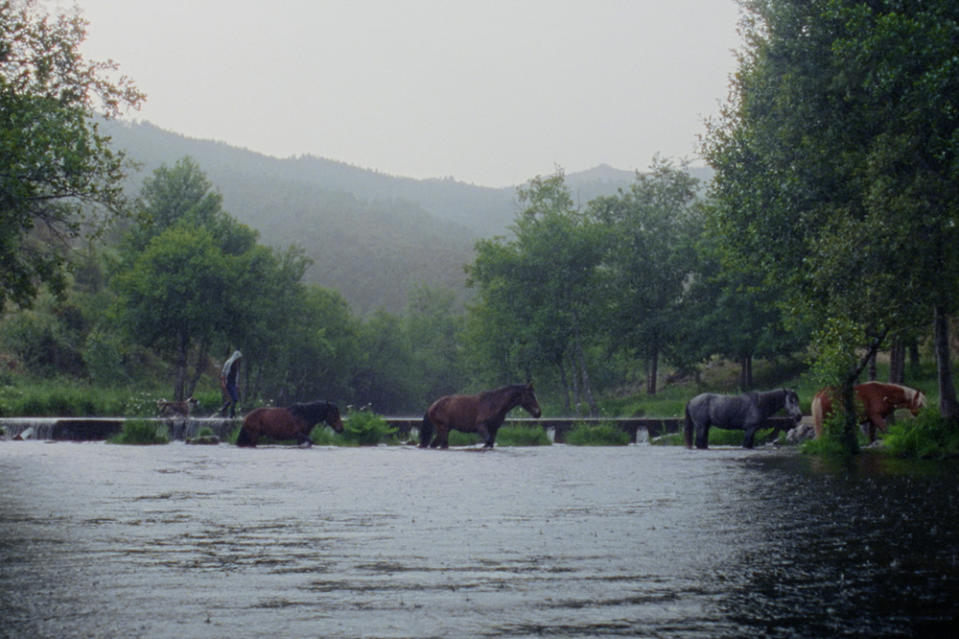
[371,236]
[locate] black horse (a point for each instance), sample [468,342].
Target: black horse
[746,412]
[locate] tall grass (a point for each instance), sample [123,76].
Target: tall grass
[522,436]
[141,431]
[597,435]
[360,428]
[928,436]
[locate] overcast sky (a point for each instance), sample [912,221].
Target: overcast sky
[489,92]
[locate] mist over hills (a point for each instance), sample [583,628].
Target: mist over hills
[371,236]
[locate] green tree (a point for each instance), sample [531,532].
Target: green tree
[176,298]
[538,289]
[54,165]
[835,170]
[189,273]
[433,327]
[651,230]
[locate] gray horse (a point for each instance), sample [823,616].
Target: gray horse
[746,412]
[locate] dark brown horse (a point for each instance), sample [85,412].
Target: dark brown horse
[291,422]
[876,401]
[482,413]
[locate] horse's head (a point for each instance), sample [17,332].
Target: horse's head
[333,417]
[791,405]
[528,401]
[917,403]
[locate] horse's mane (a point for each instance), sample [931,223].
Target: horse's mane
[311,410]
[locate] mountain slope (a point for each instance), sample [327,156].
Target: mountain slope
[372,236]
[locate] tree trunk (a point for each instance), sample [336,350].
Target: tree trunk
[566,389]
[584,376]
[198,366]
[653,369]
[181,359]
[746,373]
[948,405]
[897,361]
[872,368]
[914,357]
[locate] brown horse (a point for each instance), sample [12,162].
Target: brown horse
[291,422]
[483,413]
[875,401]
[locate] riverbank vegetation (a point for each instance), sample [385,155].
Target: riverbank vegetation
[813,254]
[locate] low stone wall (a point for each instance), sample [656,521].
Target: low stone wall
[100,428]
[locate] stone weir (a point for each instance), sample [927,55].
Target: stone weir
[100,428]
[81,429]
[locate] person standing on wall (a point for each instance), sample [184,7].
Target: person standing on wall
[228,379]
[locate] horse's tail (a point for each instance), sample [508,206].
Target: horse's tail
[688,429]
[817,414]
[426,431]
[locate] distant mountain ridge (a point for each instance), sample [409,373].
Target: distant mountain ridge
[372,236]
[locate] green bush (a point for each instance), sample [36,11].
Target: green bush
[598,435]
[141,431]
[459,438]
[360,428]
[925,437]
[522,436]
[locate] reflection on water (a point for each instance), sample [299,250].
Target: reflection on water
[184,541]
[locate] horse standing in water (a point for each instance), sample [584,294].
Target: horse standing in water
[875,402]
[483,413]
[746,412]
[291,422]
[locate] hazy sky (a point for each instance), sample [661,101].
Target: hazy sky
[487,91]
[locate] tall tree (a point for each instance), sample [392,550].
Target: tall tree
[651,231]
[836,174]
[540,286]
[189,272]
[54,165]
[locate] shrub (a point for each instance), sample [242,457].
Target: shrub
[141,431]
[522,436]
[360,428]
[599,435]
[459,438]
[926,436]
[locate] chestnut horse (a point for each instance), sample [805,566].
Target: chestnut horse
[483,413]
[875,401]
[291,422]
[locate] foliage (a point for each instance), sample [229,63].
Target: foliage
[926,436]
[536,291]
[365,428]
[61,398]
[650,256]
[522,436]
[141,432]
[856,216]
[459,438]
[598,435]
[54,164]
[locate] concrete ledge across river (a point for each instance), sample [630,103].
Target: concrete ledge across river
[100,428]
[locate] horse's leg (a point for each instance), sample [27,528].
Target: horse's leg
[750,436]
[484,433]
[702,435]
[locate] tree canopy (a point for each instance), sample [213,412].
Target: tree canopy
[54,165]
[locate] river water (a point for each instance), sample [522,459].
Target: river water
[100,540]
